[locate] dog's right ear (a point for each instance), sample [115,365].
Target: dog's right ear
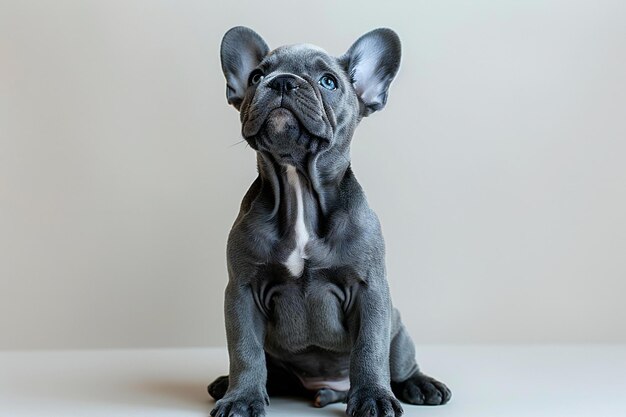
[241,51]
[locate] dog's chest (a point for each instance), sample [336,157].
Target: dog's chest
[299,232]
[298,220]
[309,311]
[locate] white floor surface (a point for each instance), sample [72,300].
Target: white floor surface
[487,381]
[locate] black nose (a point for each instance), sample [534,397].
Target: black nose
[284,83]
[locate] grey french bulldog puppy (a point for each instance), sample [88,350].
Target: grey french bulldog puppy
[307,305]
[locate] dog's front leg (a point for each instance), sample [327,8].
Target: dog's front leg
[245,331]
[370,392]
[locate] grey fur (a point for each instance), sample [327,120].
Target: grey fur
[333,318]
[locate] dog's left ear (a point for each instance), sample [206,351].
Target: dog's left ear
[241,51]
[372,62]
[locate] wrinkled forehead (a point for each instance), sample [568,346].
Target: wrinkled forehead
[300,59]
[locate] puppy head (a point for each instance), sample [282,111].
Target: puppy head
[296,100]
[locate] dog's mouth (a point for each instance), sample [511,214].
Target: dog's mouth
[294,122]
[282,122]
[284,135]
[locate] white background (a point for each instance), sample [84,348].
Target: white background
[497,168]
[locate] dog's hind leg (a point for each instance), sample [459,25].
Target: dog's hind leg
[408,383]
[218,388]
[280,382]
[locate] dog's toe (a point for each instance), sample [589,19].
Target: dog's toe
[422,389]
[327,396]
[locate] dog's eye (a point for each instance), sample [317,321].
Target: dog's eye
[255,77]
[328,82]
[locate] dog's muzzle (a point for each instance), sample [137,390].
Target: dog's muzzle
[286,107]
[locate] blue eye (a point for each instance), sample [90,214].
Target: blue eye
[255,77]
[328,82]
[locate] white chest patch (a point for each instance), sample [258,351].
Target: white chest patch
[295,261]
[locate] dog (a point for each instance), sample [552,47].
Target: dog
[307,305]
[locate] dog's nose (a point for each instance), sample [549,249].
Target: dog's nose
[284,83]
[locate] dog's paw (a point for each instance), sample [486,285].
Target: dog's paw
[327,396]
[241,405]
[217,389]
[422,389]
[373,402]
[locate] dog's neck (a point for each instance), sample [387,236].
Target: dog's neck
[317,180]
[299,199]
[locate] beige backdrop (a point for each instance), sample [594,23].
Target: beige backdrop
[497,168]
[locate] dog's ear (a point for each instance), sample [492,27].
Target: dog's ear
[241,51]
[371,63]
